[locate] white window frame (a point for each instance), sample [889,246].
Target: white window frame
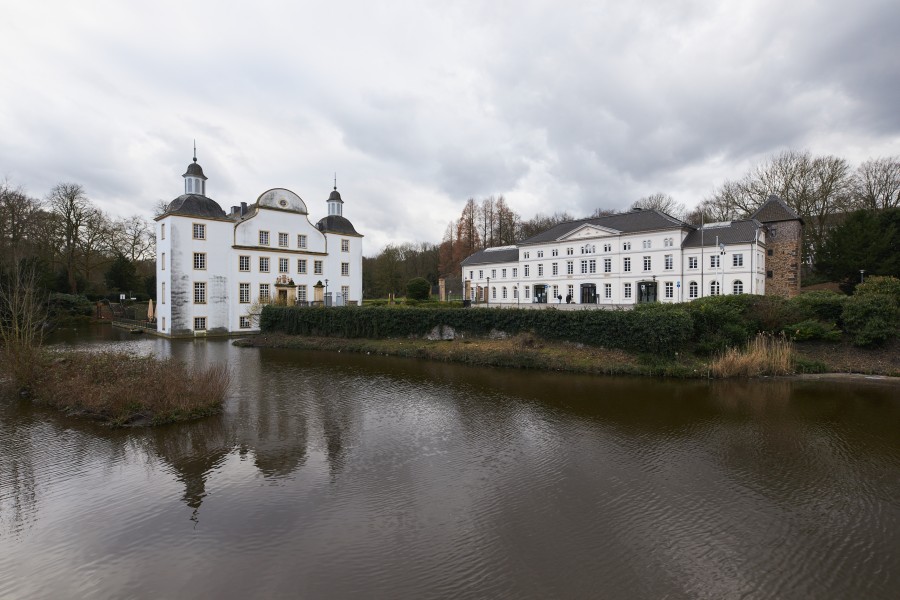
[199,292]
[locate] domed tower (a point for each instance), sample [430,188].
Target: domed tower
[194,179]
[335,222]
[335,204]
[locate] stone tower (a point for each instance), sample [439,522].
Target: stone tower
[784,250]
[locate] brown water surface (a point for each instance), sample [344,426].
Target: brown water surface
[353,476]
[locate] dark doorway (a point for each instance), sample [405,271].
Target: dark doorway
[646,291]
[588,293]
[540,294]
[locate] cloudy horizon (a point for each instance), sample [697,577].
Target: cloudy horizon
[417,106]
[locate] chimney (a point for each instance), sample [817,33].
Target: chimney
[243,208]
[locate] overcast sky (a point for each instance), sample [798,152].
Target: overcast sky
[420,105]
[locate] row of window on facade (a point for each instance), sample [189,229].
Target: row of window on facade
[590,266]
[715,289]
[199,233]
[244,292]
[264,264]
[592,248]
[200,323]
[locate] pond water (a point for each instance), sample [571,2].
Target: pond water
[334,475]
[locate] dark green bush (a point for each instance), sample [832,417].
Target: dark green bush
[63,307]
[872,314]
[821,305]
[813,330]
[418,288]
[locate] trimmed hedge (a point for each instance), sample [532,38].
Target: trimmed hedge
[659,328]
[704,326]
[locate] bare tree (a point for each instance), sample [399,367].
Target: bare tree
[507,222]
[134,238]
[876,184]
[95,243]
[23,311]
[541,222]
[160,208]
[661,202]
[19,217]
[467,231]
[602,212]
[486,215]
[71,205]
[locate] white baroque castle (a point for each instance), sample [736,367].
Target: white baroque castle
[640,256]
[214,269]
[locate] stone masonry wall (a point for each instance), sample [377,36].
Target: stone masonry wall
[784,262]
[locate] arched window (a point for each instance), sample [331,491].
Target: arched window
[494,293]
[738,287]
[714,288]
[504,292]
[693,289]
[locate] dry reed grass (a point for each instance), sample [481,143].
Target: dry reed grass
[125,389]
[765,354]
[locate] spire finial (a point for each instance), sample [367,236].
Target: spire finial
[195,150]
[335,181]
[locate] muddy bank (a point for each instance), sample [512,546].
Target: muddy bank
[528,352]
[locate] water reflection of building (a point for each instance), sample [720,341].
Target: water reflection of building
[194,451]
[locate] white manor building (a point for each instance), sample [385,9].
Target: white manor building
[213,269]
[634,257]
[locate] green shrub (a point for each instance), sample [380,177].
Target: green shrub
[418,288]
[813,330]
[821,305]
[872,314]
[660,328]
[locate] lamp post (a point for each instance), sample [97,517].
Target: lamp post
[487,292]
[326,294]
[862,273]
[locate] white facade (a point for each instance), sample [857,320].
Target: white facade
[621,260]
[213,270]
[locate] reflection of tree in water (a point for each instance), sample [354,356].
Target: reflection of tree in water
[280,444]
[32,442]
[335,402]
[193,450]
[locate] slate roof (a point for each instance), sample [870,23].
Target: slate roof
[195,170]
[775,209]
[488,256]
[335,196]
[629,222]
[336,224]
[738,232]
[195,205]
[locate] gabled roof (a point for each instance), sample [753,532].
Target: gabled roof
[775,209]
[505,254]
[629,222]
[737,232]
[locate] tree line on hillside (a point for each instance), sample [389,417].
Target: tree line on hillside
[823,190]
[72,245]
